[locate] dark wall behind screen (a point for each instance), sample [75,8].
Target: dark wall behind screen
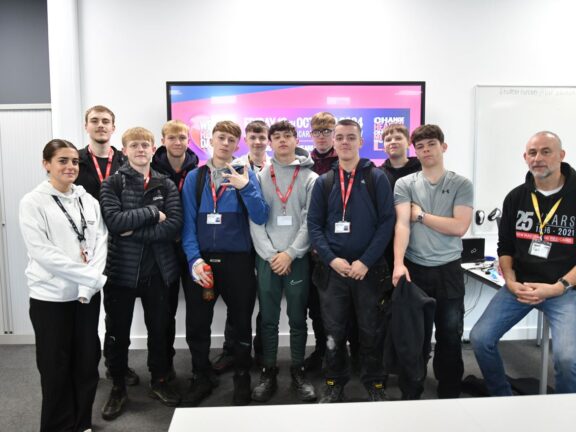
[24,68]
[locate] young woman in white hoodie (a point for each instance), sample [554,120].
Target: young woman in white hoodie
[67,243]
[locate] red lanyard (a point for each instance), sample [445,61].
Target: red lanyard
[346,194]
[181,182]
[220,192]
[97,166]
[146,181]
[284,198]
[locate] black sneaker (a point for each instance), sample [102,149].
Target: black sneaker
[333,392]
[313,362]
[223,362]
[242,388]
[131,378]
[164,393]
[267,386]
[200,388]
[305,389]
[377,392]
[115,404]
[171,376]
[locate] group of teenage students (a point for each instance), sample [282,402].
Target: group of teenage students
[141,221]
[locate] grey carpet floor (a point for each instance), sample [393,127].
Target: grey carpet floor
[20,397]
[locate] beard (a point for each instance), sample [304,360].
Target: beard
[101,141]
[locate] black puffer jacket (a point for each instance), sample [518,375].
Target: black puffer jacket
[126,207]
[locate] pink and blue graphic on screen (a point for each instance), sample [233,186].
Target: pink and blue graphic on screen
[374,106]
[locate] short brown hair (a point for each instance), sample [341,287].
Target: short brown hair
[228,127]
[282,126]
[350,122]
[256,126]
[99,108]
[174,126]
[323,120]
[137,133]
[396,127]
[428,131]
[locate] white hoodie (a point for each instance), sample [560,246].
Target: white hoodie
[56,271]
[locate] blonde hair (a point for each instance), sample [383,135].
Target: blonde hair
[174,126]
[323,120]
[137,133]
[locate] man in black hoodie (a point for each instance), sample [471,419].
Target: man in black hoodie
[396,139]
[537,254]
[176,160]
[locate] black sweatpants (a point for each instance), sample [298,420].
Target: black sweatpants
[235,281]
[337,298]
[119,306]
[67,355]
[445,283]
[173,297]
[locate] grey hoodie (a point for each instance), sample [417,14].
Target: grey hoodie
[270,239]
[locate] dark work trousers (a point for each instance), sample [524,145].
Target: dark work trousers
[173,297]
[235,281]
[230,336]
[445,283]
[314,310]
[119,307]
[336,299]
[67,355]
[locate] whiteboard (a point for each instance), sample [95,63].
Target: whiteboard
[505,119]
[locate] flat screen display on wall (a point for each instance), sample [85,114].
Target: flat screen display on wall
[372,104]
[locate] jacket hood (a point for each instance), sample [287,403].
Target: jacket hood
[46,188]
[569,175]
[160,159]
[365,163]
[303,159]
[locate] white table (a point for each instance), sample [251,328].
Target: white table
[547,413]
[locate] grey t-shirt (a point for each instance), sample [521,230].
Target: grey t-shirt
[426,246]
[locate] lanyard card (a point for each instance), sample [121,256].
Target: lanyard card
[213,218]
[540,248]
[284,220]
[342,227]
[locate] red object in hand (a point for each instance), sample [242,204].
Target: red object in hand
[208,289]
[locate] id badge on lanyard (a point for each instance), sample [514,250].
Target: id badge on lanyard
[343,226]
[86,254]
[284,219]
[214,219]
[540,247]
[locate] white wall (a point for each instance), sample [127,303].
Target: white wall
[129,49]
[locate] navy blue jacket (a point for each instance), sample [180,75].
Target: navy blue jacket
[161,164]
[370,228]
[233,234]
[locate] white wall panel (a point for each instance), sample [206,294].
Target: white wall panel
[23,134]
